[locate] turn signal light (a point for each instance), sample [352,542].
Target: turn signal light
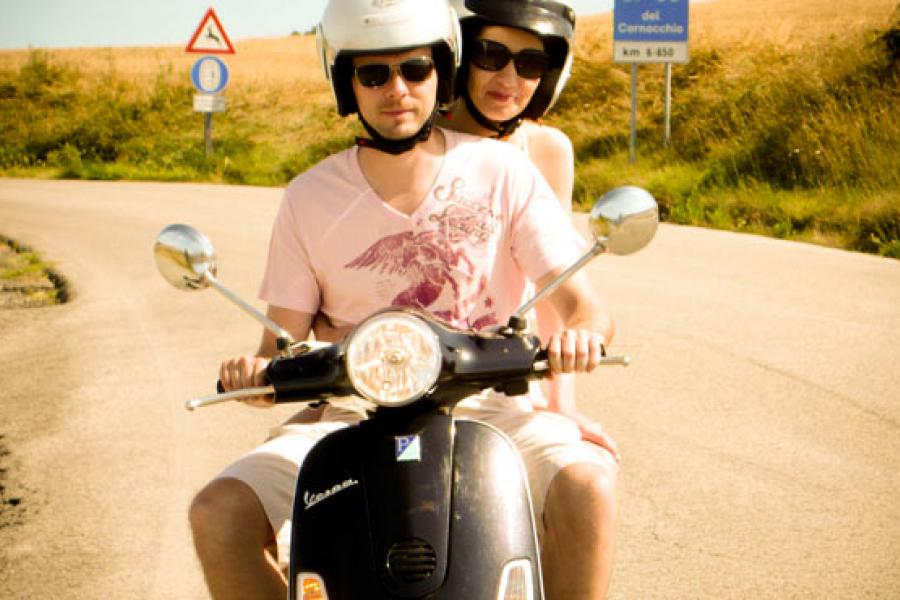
[311,587]
[515,582]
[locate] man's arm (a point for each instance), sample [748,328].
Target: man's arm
[297,323]
[250,370]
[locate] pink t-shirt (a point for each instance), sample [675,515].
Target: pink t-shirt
[489,223]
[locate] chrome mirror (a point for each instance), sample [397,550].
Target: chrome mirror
[184,257]
[624,220]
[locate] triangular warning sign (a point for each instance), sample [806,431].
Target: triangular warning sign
[210,37]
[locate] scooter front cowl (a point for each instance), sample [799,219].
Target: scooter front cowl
[383,532]
[420,507]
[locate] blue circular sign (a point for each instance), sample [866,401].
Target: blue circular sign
[210,75]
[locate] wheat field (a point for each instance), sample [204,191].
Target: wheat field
[292,61]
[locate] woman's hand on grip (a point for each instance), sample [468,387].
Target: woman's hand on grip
[575,351]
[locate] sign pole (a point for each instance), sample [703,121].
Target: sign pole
[668,131]
[207,132]
[632,146]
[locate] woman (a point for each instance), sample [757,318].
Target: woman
[511,75]
[516,58]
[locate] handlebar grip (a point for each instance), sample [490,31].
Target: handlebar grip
[220,389]
[542,361]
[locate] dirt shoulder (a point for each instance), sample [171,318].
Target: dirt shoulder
[26,281]
[12,510]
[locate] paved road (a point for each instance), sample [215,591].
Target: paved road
[759,422]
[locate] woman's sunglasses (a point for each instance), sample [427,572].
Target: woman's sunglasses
[414,70]
[493,56]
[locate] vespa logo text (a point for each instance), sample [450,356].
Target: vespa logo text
[312,499]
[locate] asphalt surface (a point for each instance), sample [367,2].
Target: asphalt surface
[759,422]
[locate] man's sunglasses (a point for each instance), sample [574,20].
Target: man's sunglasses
[414,70]
[493,56]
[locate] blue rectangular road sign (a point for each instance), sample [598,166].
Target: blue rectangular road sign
[650,30]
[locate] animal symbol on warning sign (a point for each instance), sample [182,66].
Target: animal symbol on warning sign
[210,36]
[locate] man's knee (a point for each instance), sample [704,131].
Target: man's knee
[585,486]
[579,531]
[227,509]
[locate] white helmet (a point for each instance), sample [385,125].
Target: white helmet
[355,27]
[551,20]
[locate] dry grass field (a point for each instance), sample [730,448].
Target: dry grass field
[291,61]
[286,64]
[288,59]
[740,25]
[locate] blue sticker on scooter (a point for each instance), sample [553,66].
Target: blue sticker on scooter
[407,448]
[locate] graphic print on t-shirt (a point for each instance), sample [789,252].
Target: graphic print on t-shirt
[437,260]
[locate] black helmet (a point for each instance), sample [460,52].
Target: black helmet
[551,20]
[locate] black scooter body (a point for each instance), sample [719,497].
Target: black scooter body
[379,514]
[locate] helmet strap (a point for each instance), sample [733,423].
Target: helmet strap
[395,147]
[502,129]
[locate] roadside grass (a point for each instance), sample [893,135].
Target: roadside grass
[791,131]
[26,279]
[19,262]
[63,121]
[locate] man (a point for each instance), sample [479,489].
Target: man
[416,216]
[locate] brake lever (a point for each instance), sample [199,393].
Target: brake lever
[224,396]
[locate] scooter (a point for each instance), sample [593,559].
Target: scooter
[412,502]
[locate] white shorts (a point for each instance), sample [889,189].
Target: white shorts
[546,441]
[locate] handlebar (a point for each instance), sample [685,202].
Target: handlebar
[540,368]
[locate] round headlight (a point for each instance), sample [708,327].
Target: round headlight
[393,358]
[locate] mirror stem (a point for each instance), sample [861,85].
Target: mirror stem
[266,322]
[598,248]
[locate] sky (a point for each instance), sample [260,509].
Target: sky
[73,23]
